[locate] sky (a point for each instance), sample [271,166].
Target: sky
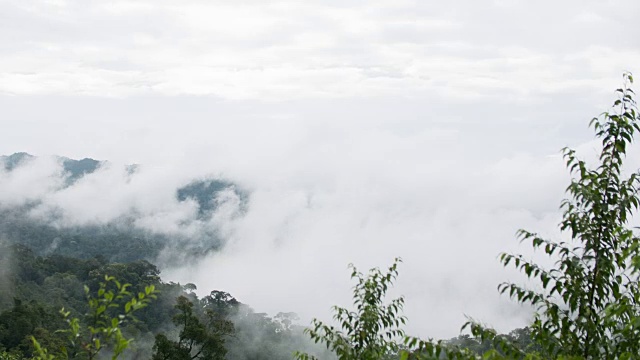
[364,131]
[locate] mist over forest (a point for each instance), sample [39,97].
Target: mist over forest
[193,226]
[48,255]
[319,179]
[55,239]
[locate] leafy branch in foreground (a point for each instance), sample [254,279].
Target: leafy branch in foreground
[370,331]
[588,305]
[113,306]
[373,331]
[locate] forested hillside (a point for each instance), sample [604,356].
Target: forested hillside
[45,264]
[35,289]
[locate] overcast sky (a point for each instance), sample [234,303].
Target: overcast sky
[364,130]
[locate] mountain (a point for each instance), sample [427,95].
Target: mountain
[76,169]
[122,239]
[15,160]
[73,169]
[205,194]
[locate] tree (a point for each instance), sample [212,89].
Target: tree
[19,322]
[202,336]
[370,332]
[589,303]
[374,330]
[113,307]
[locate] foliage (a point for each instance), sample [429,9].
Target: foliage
[44,284]
[20,322]
[113,307]
[10,356]
[370,332]
[201,337]
[373,331]
[118,241]
[588,306]
[520,339]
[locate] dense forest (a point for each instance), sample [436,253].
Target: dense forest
[35,289]
[44,268]
[85,298]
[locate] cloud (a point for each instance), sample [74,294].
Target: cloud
[447,215]
[30,182]
[290,50]
[146,199]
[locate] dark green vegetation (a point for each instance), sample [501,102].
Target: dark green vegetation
[111,309]
[120,241]
[176,325]
[114,242]
[44,266]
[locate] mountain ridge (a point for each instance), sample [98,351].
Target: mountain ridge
[123,234]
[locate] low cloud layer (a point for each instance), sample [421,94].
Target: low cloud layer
[436,188]
[291,249]
[314,210]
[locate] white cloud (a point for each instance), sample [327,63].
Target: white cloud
[286,50]
[291,250]
[30,182]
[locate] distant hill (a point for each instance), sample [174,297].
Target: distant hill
[73,169]
[76,169]
[205,192]
[14,160]
[119,240]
